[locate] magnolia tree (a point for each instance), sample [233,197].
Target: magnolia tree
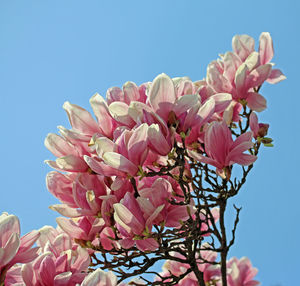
[149,180]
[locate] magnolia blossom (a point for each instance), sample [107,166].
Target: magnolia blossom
[60,261]
[119,176]
[13,248]
[222,151]
[100,278]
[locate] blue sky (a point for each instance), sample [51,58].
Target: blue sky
[53,51]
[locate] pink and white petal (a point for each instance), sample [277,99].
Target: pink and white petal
[82,261]
[245,137]
[231,64]
[240,79]
[100,278]
[157,141]
[101,111]
[10,249]
[149,244]
[206,111]
[47,270]
[176,214]
[62,279]
[9,224]
[184,103]
[65,210]
[127,243]
[124,217]
[119,111]
[137,145]
[258,76]
[114,94]
[29,239]
[243,45]
[104,145]
[253,122]
[136,109]
[154,215]
[204,159]
[146,206]
[120,163]
[243,159]
[222,101]
[276,76]
[256,102]
[162,95]
[252,61]
[58,146]
[131,92]
[237,152]
[101,168]
[81,119]
[218,140]
[266,51]
[71,163]
[70,227]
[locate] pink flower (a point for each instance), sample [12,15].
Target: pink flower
[125,155]
[100,278]
[258,129]
[14,249]
[85,228]
[241,272]
[241,72]
[132,225]
[221,150]
[61,261]
[159,195]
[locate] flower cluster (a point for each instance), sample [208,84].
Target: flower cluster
[151,174]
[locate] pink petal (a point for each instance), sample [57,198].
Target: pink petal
[65,210]
[162,95]
[71,163]
[205,160]
[157,141]
[101,168]
[119,111]
[231,64]
[58,146]
[63,279]
[222,101]
[137,145]
[114,94]
[253,122]
[10,249]
[256,101]
[185,102]
[131,92]
[104,145]
[243,159]
[276,76]
[266,51]
[81,119]
[127,220]
[47,270]
[240,79]
[9,224]
[149,244]
[120,162]
[258,76]
[101,111]
[243,46]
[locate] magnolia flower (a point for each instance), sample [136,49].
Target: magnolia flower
[14,249]
[222,151]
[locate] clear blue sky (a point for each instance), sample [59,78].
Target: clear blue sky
[53,51]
